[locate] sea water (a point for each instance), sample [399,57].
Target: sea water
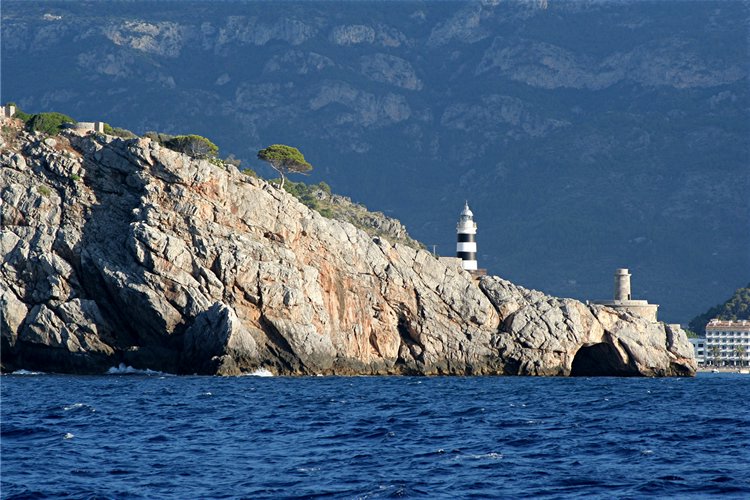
[156,436]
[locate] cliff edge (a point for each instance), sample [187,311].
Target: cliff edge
[121,251]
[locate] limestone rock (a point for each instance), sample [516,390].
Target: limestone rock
[390,69]
[215,337]
[164,262]
[565,337]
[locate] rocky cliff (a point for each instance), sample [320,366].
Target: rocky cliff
[121,251]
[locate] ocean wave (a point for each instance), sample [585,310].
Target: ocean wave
[123,369]
[27,372]
[260,372]
[79,406]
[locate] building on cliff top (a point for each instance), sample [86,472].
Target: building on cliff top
[466,243]
[86,127]
[9,111]
[624,301]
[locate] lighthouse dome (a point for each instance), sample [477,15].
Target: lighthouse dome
[466,212]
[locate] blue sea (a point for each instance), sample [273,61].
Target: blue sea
[157,436]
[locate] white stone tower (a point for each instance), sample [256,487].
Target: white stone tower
[466,246]
[622,284]
[623,301]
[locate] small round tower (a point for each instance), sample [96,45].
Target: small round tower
[622,284]
[466,246]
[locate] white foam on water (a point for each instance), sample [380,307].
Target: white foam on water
[68,435]
[308,469]
[123,369]
[78,406]
[26,372]
[647,452]
[260,372]
[491,456]
[483,456]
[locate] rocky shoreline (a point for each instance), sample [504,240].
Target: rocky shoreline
[121,251]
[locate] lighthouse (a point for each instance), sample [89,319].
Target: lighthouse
[466,246]
[623,301]
[622,285]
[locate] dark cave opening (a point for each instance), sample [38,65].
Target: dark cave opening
[600,360]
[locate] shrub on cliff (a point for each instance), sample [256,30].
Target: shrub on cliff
[193,145]
[118,132]
[49,123]
[158,136]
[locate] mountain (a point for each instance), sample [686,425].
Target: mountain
[587,136]
[737,307]
[123,251]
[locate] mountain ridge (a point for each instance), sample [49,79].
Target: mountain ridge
[587,136]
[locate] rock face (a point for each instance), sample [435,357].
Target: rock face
[121,251]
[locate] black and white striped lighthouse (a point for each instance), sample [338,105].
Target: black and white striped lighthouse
[466,247]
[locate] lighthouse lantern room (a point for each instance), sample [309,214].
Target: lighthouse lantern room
[466,246]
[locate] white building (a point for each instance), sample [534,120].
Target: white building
[728,342]
[699,346]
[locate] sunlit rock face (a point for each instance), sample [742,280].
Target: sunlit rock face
[121,251]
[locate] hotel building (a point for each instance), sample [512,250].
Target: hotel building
[727,343]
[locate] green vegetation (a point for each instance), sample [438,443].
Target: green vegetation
[75,177]
[319,198]
[195,146]
[24,117]
[285,160]
[715,355]
[736,308]
[158,137]
[192,145]
[43,190]
[314,196]
[118,132]
[48,123]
